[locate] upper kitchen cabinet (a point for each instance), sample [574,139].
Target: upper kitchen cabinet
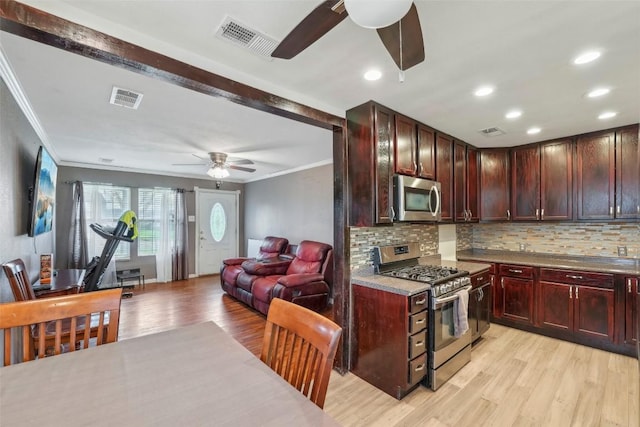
[370,162]
[426,152]
[541,182]
[406,141]
[607,174]
[444,174]
[494,185]
[465,176]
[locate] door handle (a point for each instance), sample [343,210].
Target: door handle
[572,276]
[508,215]
[570,292]
[576,292]
[537,213]
[542,214]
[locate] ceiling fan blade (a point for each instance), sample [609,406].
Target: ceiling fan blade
[241,168]
[412,42]
[316,24]
[239,161]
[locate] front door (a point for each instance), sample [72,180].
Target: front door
[216,229]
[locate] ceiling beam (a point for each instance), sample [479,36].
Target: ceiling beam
[28,22]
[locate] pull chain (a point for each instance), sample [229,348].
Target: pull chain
[401,73]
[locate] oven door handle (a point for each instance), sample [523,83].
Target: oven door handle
[440,301]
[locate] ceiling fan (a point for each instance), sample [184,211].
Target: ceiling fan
[396,22]
[219,164]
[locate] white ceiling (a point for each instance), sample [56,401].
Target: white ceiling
[524,49]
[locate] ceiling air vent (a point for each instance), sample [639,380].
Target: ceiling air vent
[250,39]
[493,131]
[125,98]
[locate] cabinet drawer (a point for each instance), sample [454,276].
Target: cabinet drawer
[516,271]
[417,344]
[601,280]
[417,369]
[418,303]
[417,322]
[480,279]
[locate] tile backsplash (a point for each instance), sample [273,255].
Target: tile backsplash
[591,239]
[362,239]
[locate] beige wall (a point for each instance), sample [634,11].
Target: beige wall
[18,150]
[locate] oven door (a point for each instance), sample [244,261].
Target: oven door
[445,343]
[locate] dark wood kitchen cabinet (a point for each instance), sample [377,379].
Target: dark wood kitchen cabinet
[444,174]
[390,336]
[480,304]
[541,182]
[406,141]
[632,294]
[426,152]
[494,185]
[516,283]
[581,303]
[370,163]
[607,174]
[465,176]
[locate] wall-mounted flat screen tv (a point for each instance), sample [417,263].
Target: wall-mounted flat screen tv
[44,194]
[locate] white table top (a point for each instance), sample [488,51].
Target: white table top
[192,376]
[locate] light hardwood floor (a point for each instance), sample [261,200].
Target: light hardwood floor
[515,378]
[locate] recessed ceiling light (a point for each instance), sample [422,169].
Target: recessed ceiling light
[373,75]
[533,131]
[514,114]
[587,57]
[598,92]
[483,91]
[607,115]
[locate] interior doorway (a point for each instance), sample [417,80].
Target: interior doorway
[216,229]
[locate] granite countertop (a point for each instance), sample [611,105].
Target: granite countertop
[582,263]
[366,276]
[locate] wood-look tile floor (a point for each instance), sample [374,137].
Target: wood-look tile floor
[515,378]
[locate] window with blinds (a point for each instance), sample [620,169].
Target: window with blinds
[156,220]
[104,204]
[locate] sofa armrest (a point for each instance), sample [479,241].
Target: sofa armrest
[292,280]
[234,261]
[266,267]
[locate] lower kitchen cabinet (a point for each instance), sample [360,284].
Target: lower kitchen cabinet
[390,335]
[578,302]
[480,305]
[516,283]
[632,294]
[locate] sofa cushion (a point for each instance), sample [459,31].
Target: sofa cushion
[309,257]
[266,267]
[263,288]
[272,246]
[245,281]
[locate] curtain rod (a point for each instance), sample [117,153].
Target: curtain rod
[126,186]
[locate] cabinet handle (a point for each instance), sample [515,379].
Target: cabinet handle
[419,367]
[421,168]
[419,344]
[393,213]
[421,301]
[571,276]
[470,214]
[576,292]
[537,213]
[515,271]
[629,285]
[420,322]
[508,215]
[480,294]
[502,282]
[542,214]
[618,209]
[610,210]
[570,292]
[415,168]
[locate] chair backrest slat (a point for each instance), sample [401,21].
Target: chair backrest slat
[54,325]
[19,280]
[300,345]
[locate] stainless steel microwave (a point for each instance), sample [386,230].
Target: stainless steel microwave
[415,199]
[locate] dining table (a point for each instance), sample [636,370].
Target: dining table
[191,376]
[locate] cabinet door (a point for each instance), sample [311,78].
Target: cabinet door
[383,164]
[484,309]
[473,311]
[494,185]
[627,173]
[593,312]
[556,305]
[632,285]
[472,184]
[595,176]
[405,146]
[525,183]
[444,174]
[517,296]
[426,152]
[496,293]
[460,180]
[556,184]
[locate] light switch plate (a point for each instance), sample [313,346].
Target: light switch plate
[622,251]
[191,218]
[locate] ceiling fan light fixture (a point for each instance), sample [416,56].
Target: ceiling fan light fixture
[377,13]
[373,75]
[217,172]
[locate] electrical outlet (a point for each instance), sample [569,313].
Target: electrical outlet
[622,251]
[523,247]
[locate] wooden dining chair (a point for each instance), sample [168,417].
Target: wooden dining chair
[44,319]
[300,345]
[19,280]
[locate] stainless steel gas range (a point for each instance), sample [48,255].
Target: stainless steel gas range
[449,349]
